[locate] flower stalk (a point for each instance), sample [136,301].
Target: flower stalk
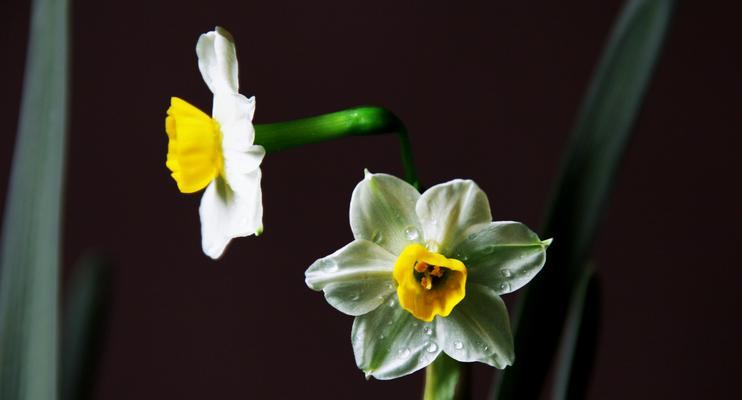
[357,121]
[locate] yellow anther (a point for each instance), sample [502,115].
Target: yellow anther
[421,266]
[426,282]
[437,272]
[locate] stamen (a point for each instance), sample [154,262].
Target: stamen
[437,271]
[426,282]
[420,266]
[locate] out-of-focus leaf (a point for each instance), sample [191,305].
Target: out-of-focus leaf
[579,340]
[29,264]
[603,128]
[84,323]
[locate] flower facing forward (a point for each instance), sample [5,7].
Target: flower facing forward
[217,152]
[424,275]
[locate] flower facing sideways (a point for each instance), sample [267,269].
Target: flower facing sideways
[217,152]
[424,275]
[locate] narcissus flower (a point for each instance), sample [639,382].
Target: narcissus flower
[217,152]
[424,275]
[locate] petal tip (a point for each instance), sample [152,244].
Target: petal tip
[547,242]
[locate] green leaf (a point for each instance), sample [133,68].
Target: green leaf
[442,379]
[579,340]
[29,264]
[84,325]
[604,126]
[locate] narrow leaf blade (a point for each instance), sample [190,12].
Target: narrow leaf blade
[603,128]
[29,263]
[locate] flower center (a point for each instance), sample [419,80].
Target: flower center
[428,274]
[194,150]
[429,284]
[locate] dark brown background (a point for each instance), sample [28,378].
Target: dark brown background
[488,90]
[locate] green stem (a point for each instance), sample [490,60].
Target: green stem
[447,379]
[358,121]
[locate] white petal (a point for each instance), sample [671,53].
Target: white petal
[478,329]
[389,342]
[227,214]
[217,61]
[234,114]
[451,211]
[356,279]
[382,209]
[238,167]
[503,256]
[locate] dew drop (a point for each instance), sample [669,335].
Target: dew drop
[355,297]
[463,258]
[329,265]
[472,236]
[428,330]
[505,287]
[381,337]
[377,237]
[458,345]
[488,249]
[485,347]
[506,273]
[392,303]
[403,353]
[411,233]
[432,347]
[414,324]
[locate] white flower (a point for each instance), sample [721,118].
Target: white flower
[424,275]
[217,153]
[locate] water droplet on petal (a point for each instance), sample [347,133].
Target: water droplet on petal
[506,273]
[489,249]
[428,330]
[463,258]
[414,324]
[328,265]
[377,237]
[392,302]
[355,297]
[504,287]
[485,347]
[458,345]
[403,353]
[432,347]
[411,233]
[381,337]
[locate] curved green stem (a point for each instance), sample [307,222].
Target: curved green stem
[358,121]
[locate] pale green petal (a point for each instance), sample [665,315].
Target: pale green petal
[356,278]
[389,342]
[450,212]
[382,210]
[478,329]
[503,256]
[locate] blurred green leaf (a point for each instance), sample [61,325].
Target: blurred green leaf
[603,128]
[84,324]
[29,264]
[579,340]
